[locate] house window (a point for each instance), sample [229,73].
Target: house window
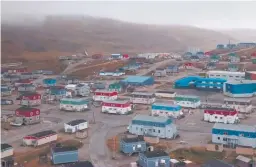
[225,139]
[159,131]
[154,130]
[218,138]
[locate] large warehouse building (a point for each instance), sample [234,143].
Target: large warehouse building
[138,80]
[244,88]
[234,135]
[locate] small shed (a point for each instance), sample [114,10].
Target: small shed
[75,125]
[160,72]
[62,155]
[133,145]
[115,87]
[242,161]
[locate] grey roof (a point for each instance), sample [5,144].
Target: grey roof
[64,149]
[152,154]
[150,118]
[76,122]
[216,163]
[241,82]
[133,139]
[143,93]
[243,128]
[43,133]
[5,146]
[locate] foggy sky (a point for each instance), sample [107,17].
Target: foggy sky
[221,15]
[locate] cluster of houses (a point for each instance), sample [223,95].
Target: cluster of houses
[238,45]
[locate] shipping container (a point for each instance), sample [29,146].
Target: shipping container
[62,155]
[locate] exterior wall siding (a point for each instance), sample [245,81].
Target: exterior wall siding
[154,161]
[70,107]
[188,104]
[116,110]
[230,119]
[239,90]
[73,129]
[28,102]
[169,131]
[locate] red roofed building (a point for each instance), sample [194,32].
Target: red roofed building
[221,115]
[101,95]
[30,99]
[40,138]
[125,56]
[116,107]
[27,115]
[188,65]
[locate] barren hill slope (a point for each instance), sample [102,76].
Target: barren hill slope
[61,35]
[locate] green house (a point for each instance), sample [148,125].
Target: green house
[234,58]
[253,61]
[115,87]
[215,58]
[233,67]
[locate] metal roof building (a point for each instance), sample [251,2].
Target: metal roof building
[244,88]
[138,80]
[234,135]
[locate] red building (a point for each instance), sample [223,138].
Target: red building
[27,115]
[16,70]
[30,99]
[125,56]
[221,115]
[116,107]
[23,81]
[101,95]
[188,65]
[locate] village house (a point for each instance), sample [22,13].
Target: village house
[49,82]
[172,69]
[101,95]
[111,73]
[187,101]
[146,125]
[26,88]
[26,116]
[27,75]
[142,98]
[75,125]
[7,155]
[210,66]
[17,70]
[23,81]
[40,138]
[231,135]
[5,90]
[133,145]
[153,159]
[115,87]
[83,90]
[116,107]
[11,78]
[30,99]
[166,110]
[233,67]
[99,85]
[57,92]
[194,58]
[221,115]
[116,56]
[234,58]
[71,80]
[71,104]
[160,72]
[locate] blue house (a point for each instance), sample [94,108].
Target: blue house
[172,69]
[200,54]
[49,82]
[62,155]
[133,145]
[210,84]
[153,159]
[57,92]
[116,56]
[138,80]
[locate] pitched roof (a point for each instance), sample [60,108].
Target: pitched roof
[5,146]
